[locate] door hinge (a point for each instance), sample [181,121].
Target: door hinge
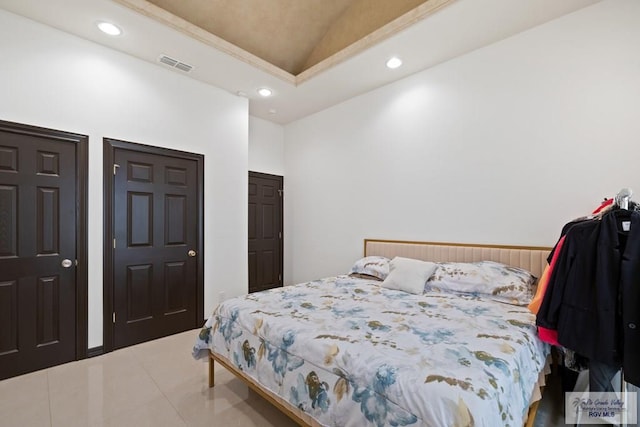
[114,243]
[280,234]
[114,317]
[280,278]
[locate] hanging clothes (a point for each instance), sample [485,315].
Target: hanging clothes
[541,289]
[534,305]
[593,296]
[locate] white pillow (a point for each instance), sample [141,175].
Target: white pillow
[408,275]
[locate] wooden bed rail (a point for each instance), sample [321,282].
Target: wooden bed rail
[298,416]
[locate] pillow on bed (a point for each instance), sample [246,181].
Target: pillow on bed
[371,267]
[485,278]
[408,275]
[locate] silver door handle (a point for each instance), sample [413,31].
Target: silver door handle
[191,253]
[66,263]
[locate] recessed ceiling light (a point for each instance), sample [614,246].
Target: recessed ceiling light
[394,62]
[265,92]
[109,28]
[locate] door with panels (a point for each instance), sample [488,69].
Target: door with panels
[265,231]
[42,248]
[156,281]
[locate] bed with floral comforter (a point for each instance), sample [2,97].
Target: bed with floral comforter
[349,352]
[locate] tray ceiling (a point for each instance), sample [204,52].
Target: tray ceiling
[292,35]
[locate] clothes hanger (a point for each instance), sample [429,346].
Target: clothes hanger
[623,197]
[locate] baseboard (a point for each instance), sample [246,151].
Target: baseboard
[95,351]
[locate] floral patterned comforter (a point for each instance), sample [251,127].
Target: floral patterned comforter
[351,353]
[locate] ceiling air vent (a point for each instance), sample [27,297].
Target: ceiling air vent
[174,63]
[184,67]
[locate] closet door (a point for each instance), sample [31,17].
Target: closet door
[156,235]
[39,223]
[265,231]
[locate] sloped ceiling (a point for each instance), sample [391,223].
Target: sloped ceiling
[292,35]
[290,39]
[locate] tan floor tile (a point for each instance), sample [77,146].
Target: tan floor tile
[94,373]
[168,360]
[22,390]
[253,411]
[78,408]
[194,400]
[103,398]
[33,414]
[263,413]
[157,413]
[172,370]
[178,344]
[229,403]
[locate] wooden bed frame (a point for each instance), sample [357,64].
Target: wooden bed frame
[531,258]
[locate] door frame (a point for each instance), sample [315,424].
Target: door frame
[82,269]
[280,180]
[109,147]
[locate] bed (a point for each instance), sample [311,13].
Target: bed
[346,351]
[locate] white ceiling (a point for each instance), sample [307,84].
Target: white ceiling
[458,28]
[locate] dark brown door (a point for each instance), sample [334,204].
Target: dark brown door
[265,231]
[38,248]
[156,243]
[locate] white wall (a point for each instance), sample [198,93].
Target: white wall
[51,79]
[266,146]
[502,145]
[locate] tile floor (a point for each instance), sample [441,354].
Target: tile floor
[156,383]
[152,384]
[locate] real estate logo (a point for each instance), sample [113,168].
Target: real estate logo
[601,408]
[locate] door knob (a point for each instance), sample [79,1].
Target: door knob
[66,263]
[192,253]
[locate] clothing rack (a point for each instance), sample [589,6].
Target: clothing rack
[595,269]
[622,201]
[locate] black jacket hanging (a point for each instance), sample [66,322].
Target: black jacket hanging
[593,297]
